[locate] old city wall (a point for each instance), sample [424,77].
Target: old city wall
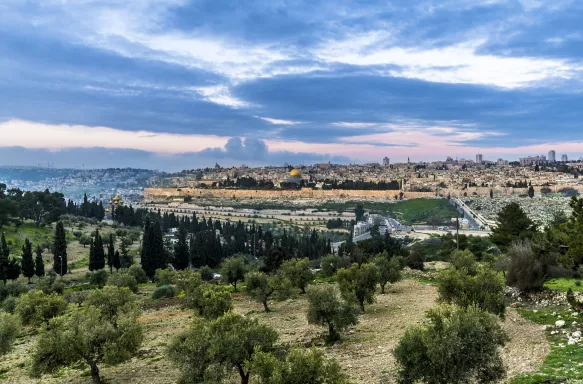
[152,194]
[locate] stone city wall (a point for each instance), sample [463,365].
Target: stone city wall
[153,194]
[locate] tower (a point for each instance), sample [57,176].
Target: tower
[386,161]
[479,158]
[552,156]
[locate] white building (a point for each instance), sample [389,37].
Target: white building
[479,158]
[564,158]
[533,160]
[552,156]
[386,161]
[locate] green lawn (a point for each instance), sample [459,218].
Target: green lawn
[565,362]
[419,211]
[564,284]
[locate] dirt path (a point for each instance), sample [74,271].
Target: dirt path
[528,346]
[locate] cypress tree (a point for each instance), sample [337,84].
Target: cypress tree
[110,253]
[60,250]
[39,264]
[158,253]
[146,253]
[125,258]
[99,252]
[4,253]
[116,261]
[181,251]
[27,260]
[92,266]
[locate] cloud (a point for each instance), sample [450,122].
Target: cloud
[279,121]
[349,78]
[451,64]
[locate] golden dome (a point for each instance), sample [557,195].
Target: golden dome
[116,199]
[295,173]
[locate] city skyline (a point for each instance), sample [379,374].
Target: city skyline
[180,84]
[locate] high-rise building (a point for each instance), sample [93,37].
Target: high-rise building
[479,158]
[533,160]
[564,158]
[552,156]
[386,161]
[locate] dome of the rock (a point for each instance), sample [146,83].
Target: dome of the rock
[295,173]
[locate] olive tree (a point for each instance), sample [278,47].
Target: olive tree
[457,346]
[298,272]
[358,283]
[485,289]
[97,332]
[261,287]
[37,307]
[326,308]
[300,365]
[210,301]
[208,351]
[389,271]
[233,270]
[9,329]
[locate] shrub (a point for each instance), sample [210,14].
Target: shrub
[76,297]
[326,308]
[163,292]
[123,280]
[484,290]
[9,330]
[526,270]
[210,301]
[58,286]
[164,276]
[464,260]
[12,288]
[458,346]
[330,264]
[300,365]
[206,273]
[137,272]
[36,307]
[97,278]
[415,259]
[187,280]
[9,304]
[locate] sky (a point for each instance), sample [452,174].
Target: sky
[181,84]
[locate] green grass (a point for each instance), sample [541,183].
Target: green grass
[564,361]
[563,285]
[15,235]
[421,211]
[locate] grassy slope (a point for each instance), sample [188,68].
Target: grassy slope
[565,362]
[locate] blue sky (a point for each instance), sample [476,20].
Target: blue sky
[173,84]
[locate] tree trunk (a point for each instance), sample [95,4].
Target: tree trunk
[244,376]
[361,306]
[383,289]
[95,374]
[265,306]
